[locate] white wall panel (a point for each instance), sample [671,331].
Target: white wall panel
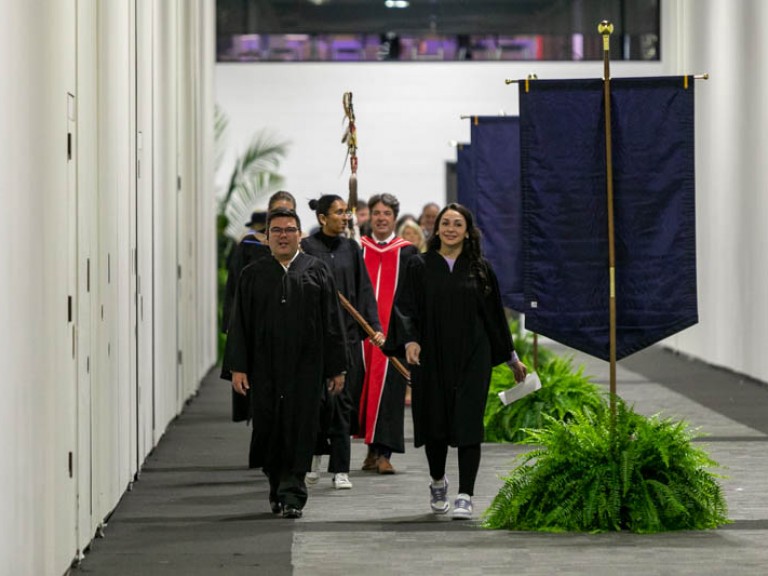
[185,207]
[206,218]
[87,210]
[68,227]
[58,239]
[113,409]
[167,394]
[723,39]
[145,230]
[24,386]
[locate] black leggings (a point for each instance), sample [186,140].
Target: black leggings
[469,464]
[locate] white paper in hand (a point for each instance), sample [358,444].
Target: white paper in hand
[530,384]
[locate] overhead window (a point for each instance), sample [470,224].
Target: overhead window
[433,30]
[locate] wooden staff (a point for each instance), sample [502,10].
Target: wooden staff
[370,331]
[606,29]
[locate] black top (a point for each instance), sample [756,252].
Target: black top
[345,259]
[463,333]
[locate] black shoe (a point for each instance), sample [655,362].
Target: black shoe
[291,512]
[275,506]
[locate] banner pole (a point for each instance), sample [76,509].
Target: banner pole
[605,28]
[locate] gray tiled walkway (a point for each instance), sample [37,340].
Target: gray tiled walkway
[197,510]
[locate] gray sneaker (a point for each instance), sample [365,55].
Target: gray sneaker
[313,475]
[462,507]
[438,497]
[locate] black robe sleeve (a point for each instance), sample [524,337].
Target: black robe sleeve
[234,266]
[334,344]
[404,322]
[245,252]
[236,351]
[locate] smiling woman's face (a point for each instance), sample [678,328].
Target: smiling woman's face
[452,229]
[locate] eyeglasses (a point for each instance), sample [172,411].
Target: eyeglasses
[347,213]
[277,231]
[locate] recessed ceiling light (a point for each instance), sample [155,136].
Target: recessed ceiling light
[396,3]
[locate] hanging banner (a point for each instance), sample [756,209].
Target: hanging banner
[563,171]
[465,186]
[495,152]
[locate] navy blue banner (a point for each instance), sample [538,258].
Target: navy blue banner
[497,205]
[566,218]
[465,185]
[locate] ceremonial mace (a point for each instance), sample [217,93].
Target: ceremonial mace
[371,332]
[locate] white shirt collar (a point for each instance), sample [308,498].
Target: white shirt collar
[388,239]
[286,266]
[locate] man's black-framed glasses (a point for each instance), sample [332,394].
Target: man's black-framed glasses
[278,231]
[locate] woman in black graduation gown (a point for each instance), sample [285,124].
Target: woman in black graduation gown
[449,321]
[345,259]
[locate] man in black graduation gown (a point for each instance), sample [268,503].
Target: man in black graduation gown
[286,342]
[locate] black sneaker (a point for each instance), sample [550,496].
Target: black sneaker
[275,506]
[291,512]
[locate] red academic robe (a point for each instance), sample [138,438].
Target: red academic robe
[382,401]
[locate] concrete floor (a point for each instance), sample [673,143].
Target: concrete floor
[198,510]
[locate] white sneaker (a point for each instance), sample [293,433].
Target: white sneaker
[341,481]
[462,507]
[313,475]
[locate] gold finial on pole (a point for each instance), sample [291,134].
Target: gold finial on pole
[605,28]
[509,81]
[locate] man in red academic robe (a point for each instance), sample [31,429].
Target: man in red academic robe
[382,403]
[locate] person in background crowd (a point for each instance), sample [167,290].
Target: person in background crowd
[345,260]
[382,401]
[449,321]
[410,230]
[286,345]
[427,218]
[363,215]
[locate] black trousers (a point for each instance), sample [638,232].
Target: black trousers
[344,417]
[288,488]
[469,463]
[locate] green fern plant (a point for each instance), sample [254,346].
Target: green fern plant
[644,476]
[564,391]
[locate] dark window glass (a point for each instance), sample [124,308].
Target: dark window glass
[430,30]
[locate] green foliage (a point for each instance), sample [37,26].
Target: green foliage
[254,178]
[564,391]
[645,476]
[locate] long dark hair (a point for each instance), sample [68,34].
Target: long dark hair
[471,247]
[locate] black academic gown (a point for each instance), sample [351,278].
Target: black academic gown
[248,250]
[345,259]
[286,335]
[462,332]
[245,252]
